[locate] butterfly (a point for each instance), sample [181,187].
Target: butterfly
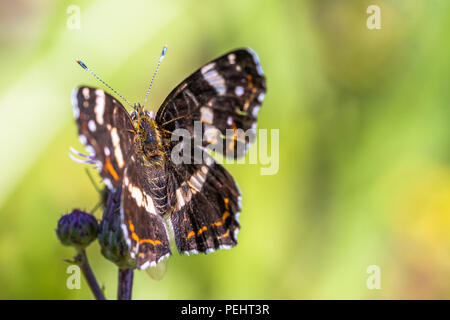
[198,202]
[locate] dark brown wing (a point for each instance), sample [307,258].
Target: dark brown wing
[144,201]
[206,206]
[104,128]
[224,97]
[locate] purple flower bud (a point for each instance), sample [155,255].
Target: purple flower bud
[110,235]
[77,229]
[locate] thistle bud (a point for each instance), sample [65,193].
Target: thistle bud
[77,229]
[111,238]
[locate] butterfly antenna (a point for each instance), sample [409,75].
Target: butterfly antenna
[163,53]
[98,78]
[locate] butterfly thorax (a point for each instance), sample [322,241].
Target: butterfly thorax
[148,139]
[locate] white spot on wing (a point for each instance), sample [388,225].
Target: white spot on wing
[207,67]
[163,257]
[125,234]
[141,198]
[108,183]
[83,139]
[76,112]
[256,60]
[92,126]
[149,205]
[145,265]
[209,161]
[211,134]
[180,199]
[207,115]
[232,58]
[236,231]
[136,194]
[239,91]
[117,150]
[90,149]
[190,252]
[86,93]
[99,108]
[204,170]
[74,99]
[213,78]
[256,110]
[261,97]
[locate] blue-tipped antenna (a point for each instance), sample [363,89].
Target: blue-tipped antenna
[163,53]
[81,63]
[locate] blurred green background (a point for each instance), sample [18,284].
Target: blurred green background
[364,174]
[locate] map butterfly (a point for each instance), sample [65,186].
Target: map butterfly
[199,203]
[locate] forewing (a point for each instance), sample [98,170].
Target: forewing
[224,94]
[105,129]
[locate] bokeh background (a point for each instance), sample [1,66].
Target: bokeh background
[363,118]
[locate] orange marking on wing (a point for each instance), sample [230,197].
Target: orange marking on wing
[204,228]
[250,84]
[153,242]
[190,235]
[215,223]
[225,215]
[233,138]
[231,144]
[246,104]
[226,234]
[109,168]
[136,238]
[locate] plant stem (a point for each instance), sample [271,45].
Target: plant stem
[89,275]
[125,284]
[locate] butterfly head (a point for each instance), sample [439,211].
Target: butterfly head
[138,109]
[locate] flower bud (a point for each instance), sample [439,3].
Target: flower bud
[111,237]
[77,229]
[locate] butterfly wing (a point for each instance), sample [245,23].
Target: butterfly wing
[224,96]
[105,129]
[143,204]
[206,206]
